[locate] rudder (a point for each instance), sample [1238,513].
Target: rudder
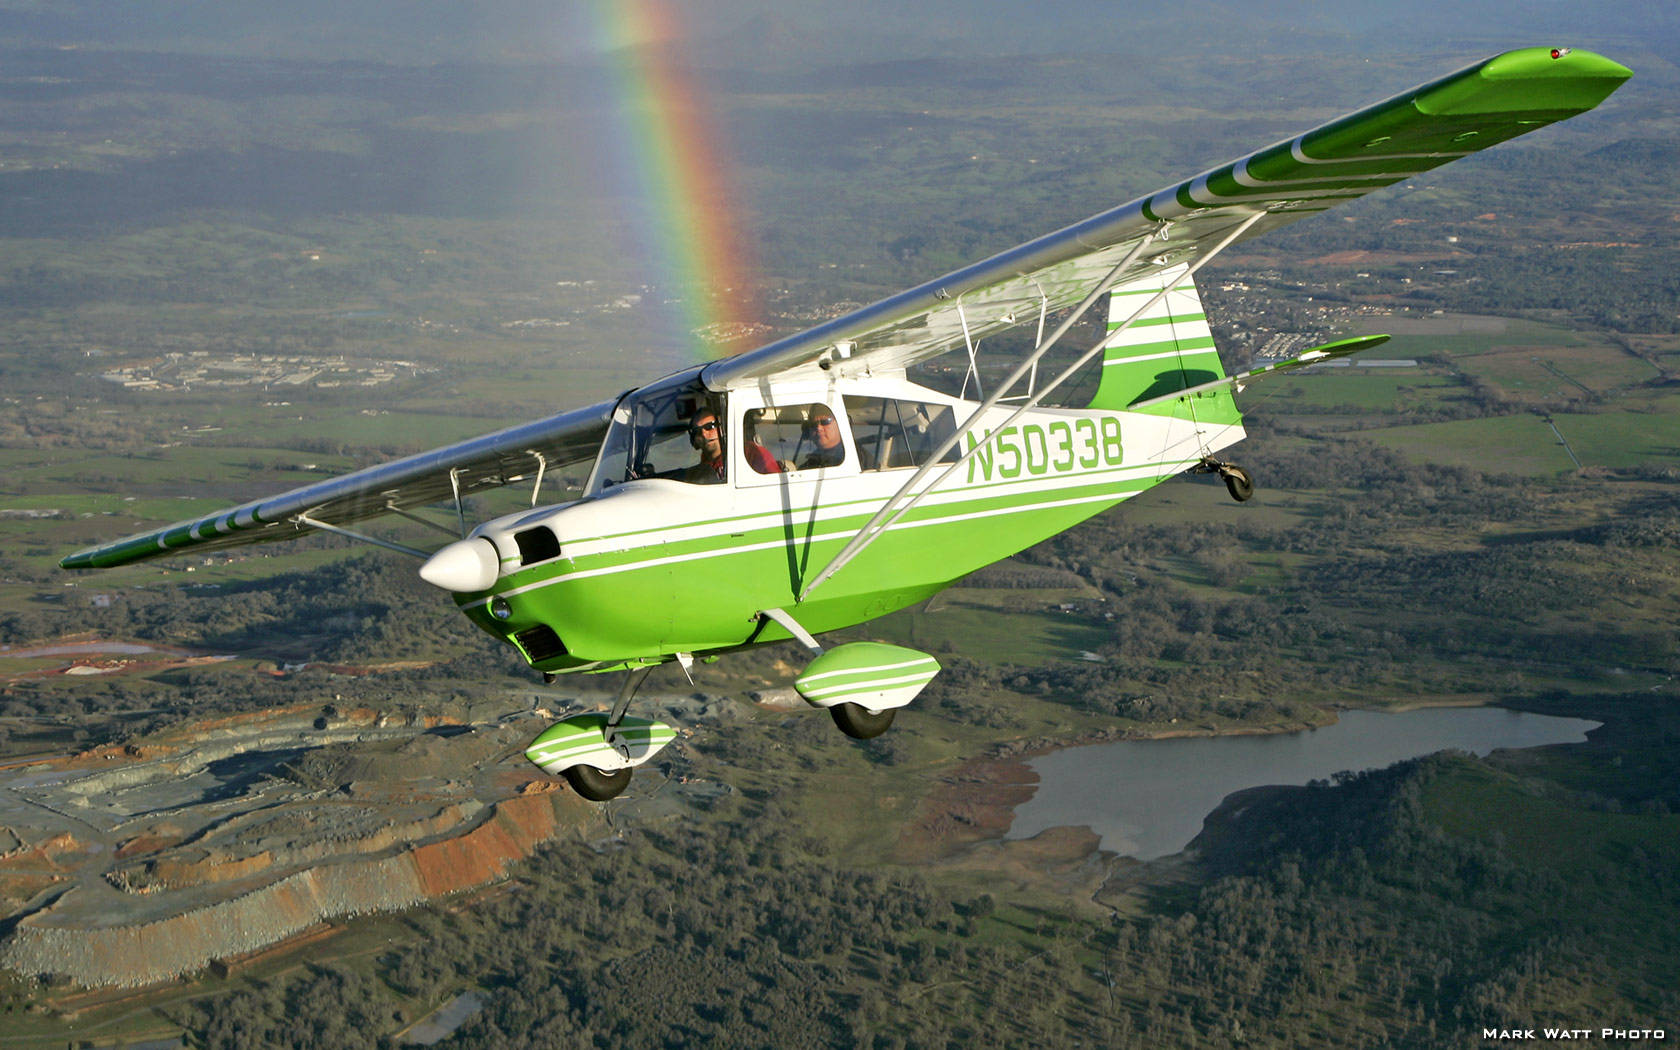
[1170,347]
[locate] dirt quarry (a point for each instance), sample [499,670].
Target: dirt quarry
[136,864]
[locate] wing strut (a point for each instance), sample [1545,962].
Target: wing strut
[973,365]
[391,506]
[304,519]
[1043,312]
[890,513]
[873,527]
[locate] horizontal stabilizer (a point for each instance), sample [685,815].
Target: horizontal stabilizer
[1316,356]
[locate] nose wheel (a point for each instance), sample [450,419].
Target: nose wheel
[597,753]
[598,785]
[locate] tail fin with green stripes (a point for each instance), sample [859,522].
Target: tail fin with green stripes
[1167,349]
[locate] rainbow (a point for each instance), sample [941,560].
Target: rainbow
[691,223]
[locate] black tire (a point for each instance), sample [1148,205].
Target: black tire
[857,723]
[598,785]
[1239,484]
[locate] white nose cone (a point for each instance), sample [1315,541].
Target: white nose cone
[465,565]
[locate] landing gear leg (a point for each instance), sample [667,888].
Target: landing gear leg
[599,785]
[633,680]
[1237,481]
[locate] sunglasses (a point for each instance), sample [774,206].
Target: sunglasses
[701,427]
[825,422]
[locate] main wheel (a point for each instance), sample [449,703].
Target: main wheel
[598,785]
[857,723]
[1239,484]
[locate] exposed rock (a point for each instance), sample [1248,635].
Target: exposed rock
[145,953]
[778,699]
[138,864]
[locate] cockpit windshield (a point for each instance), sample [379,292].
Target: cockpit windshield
[673,429]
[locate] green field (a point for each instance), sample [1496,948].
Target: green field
[995,625]
[1550,375]
[1526,444]
[1340,390]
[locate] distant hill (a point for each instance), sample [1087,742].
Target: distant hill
[798,33]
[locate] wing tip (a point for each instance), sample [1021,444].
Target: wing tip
[1528,62]
[82,559]
[1558,81]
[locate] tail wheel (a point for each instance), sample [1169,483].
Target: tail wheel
[1238,484]
[598,785]
[858,723]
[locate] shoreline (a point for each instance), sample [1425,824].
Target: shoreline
[1039,746]
[974,801]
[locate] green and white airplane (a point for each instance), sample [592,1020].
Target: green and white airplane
[809,485]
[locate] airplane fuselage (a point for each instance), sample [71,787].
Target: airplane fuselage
[644,568]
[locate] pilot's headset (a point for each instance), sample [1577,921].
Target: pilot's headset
[697,442]
[808,422]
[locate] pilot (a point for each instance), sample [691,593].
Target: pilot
[705,433]
[824,430]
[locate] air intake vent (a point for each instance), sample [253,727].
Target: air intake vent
[540,643]
[538,544]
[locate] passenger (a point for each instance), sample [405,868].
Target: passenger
[705,433]
[758,457]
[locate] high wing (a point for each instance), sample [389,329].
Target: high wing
[1477,107]
[515,454]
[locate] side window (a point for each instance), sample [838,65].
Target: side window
[792,437]
[891,434]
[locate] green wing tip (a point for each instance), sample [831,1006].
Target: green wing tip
[1554,62]
[1534,84]
[86,558]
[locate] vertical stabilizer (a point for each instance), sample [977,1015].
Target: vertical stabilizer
[1167,349]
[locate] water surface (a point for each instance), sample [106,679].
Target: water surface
[1147,798]
[442,1024]
[80,649]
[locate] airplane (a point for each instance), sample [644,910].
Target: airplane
[810,485]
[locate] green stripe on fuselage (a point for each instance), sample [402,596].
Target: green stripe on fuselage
[700,594]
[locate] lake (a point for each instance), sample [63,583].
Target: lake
[1148,798]
[443,1022]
